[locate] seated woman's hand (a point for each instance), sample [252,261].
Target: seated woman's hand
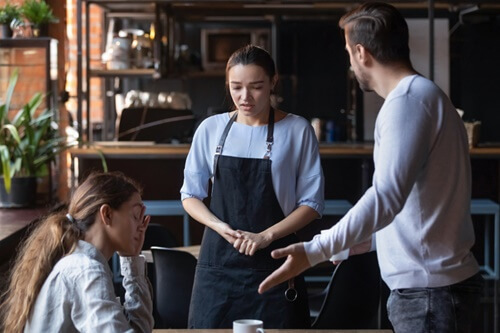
[138,234]
[250,242]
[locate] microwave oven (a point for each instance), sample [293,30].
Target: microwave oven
[217,45]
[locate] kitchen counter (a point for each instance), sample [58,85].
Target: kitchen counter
[150,150]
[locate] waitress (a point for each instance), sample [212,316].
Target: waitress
[267,184]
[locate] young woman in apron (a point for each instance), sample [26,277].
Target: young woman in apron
[267,184]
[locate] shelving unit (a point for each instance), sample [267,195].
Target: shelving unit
[36,60]
[169,15]
[165,14]
[112,9]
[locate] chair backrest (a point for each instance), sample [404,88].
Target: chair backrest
[152,124]
[158,235]
[353,295]
[174,271]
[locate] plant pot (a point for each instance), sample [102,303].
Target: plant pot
[5,31]
[22,192]
[41,30]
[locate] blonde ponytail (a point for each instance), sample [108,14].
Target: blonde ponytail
[52,239]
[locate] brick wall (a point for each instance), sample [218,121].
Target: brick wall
[31,66]
[96,41]
[65,33]
[33,77]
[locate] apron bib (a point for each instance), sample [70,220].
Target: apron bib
[226,281]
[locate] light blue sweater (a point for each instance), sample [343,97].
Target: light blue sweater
[418,204]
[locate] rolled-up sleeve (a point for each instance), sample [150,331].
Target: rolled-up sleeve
[138,299]
[310,181]
[197,170]
[96,309]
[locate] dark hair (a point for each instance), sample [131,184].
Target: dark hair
[251,55]
[55,237]
[381,29]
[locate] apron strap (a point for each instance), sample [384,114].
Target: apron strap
[269,141]
[270,133]
[218,150]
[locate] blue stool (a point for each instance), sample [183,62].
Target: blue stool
[477,207]
[489,207]
[336,207]
[170,208]
[158,208]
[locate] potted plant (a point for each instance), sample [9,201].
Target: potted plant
[28,143]
[39,14]
[8,13]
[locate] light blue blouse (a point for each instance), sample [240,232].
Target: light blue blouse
[296,166]
[78,296]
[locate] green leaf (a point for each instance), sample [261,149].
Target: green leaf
[31,140]
[4,154]
[16,166]
[13,131]
[8,96]
[34,103]
[10,89]
[3,111]
[38,12]
[103,160]
[8,13]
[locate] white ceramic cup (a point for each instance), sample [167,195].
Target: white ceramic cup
[248,326]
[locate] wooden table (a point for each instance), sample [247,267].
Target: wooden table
[194,250]
[269,331]
[144,151]
[13,224]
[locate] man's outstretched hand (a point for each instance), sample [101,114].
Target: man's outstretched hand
[296,262]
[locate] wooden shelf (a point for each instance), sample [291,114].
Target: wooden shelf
[133,72]
[123,149]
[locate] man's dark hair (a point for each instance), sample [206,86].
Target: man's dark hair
[381,29]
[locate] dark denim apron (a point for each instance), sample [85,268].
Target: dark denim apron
[226,281]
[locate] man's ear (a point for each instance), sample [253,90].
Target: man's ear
[106,213]
[363,55]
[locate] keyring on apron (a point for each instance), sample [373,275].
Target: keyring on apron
[291,293]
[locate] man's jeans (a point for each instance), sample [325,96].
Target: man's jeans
[444,309]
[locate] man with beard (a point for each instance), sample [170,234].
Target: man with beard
[417,209]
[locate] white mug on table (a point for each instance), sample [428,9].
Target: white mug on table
[248,326]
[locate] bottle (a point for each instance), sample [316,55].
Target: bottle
[316,125]
[330,131]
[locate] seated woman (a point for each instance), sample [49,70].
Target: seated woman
[61,280]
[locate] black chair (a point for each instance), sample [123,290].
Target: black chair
[174,271]
[353,295]
[158,235]
[155,124]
